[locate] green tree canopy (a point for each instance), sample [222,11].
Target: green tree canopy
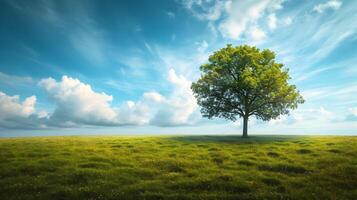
[244,81]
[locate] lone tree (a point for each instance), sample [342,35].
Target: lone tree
[243,81]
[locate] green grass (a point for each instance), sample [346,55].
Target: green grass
[186,167]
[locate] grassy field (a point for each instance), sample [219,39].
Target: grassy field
[182,167]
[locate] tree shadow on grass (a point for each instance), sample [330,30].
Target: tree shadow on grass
[235,138]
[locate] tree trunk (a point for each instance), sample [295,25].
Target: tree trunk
[245,126]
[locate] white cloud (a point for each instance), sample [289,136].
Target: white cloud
[76,102]
[256,34]
[236,19]
[17,114]
[205,9]
[11,107]
[154,97]
[272,21]
[133,113]
[331,4]
[241,15]
[179,108]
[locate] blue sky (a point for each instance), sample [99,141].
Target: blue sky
[105,67]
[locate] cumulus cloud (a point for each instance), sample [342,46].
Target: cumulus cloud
[179,108]
[331,4]
[11,107]
[133,113]
[77,103]
[153,97]
[17,114]
[237,19]
[241,15]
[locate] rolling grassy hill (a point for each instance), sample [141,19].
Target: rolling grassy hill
[180,167]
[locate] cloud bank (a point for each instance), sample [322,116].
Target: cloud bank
[76,104]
